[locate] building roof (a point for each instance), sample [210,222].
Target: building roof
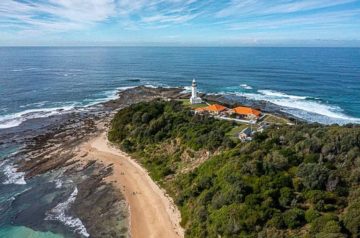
[246,111]
[246,131]
[212,108]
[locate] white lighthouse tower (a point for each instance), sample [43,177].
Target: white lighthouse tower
[194,98]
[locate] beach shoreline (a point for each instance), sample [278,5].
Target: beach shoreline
[55,167]
[152,212]
[110,183]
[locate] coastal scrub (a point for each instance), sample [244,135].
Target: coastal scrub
[290,181]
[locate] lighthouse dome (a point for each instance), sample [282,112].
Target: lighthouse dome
[194,83]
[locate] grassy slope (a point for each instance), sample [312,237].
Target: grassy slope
[292,181]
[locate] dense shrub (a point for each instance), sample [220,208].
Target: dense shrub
[352,218]
[314,176]
[290,181]
[311,215]
[160,120]
[318,224]
[286,196]
[294,218]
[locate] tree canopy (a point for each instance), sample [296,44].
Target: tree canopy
[290,181]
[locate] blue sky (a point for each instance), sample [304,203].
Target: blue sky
[180,22]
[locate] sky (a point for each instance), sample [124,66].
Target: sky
[180,23]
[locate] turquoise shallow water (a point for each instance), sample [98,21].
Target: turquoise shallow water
[24,232]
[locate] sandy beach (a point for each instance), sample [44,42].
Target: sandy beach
[152,212]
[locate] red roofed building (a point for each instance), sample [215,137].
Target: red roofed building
[215,108]
[246,112]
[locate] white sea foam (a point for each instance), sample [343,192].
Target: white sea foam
[58,183]
[276,94]
[35,104]
[107,96]
[304,107]
[245,86]
[125,88]
[12,175]
[15,119]
[10,123]
[187,89]
[150,86]
[156,85]
[58,214]
[235,89]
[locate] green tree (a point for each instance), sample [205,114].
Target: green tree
[314,176]
[294,218]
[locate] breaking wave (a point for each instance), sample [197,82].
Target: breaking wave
[12,176]
[106,96]
[276,94]
[245,86]
[156,85]
[307,108]
[58,214]
[187,89]
[15,119]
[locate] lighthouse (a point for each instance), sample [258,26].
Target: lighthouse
[194,98]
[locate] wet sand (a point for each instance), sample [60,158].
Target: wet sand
[152,212]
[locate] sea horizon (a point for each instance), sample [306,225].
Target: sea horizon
[176,46]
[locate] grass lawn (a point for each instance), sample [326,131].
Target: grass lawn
[275,119]
[233,134]
[186,103]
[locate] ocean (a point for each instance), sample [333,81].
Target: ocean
[316,84]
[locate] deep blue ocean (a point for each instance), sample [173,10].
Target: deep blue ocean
[317,84]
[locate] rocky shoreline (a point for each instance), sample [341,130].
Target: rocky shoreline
[50,150]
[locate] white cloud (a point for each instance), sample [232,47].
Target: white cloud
[213,17]
[318,20]
[243,8]
[161,13]
[56,15]
[305,5]
[169,18]
[64,15]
